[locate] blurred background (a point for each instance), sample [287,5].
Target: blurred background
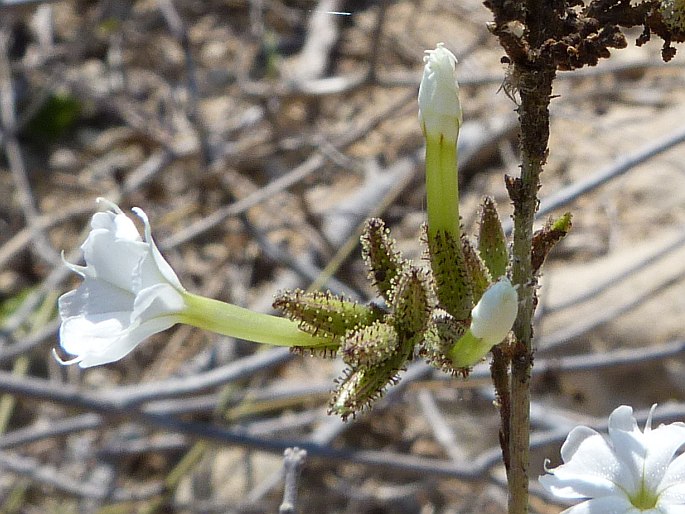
[258,135]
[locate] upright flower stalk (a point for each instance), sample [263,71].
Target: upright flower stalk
[130,292]
[440,116]
[478,301]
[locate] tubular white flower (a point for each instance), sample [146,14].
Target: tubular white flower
[495,313]
[129,291]
[439,107]
[629,472]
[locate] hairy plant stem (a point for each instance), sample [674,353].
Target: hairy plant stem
[535,88]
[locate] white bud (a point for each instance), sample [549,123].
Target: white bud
[495,313]
[439,107]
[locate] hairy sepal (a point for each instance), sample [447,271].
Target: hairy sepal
[323,312]
[476,268]
[492,244]
[371,345]
[450,275]
[442,333]
[359,387]
[382,260]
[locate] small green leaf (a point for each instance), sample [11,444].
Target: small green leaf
[56,116]
[492,244]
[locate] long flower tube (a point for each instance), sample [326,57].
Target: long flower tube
[440,116]
[130,292]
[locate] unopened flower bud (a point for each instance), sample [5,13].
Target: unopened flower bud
[495,313]
[439,107]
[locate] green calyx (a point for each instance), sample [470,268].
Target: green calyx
[384,263]
[478,273]
[451,280]
[374,343]
[442,333]
[360,386]
[324,312]
[492,244]
[371,345]
[410,303]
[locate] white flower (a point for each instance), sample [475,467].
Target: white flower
[495,313]
[439,107]
[129,292]
[629,472]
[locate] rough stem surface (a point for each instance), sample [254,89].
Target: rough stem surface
[535,88]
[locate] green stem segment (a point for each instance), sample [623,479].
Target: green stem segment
[231,320]
[442,187]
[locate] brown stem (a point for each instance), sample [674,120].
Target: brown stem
[499,370]
[535,89]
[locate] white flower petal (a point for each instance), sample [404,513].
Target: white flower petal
[94,297]
[674,495]
[662,444]
[113,260]
[82,335]
[111,350]
[631,466]
[675,474]
[129,292]
[590,463]
[628,443]
[672,509]
[568,484]
[158,300]
[120,225]
[607,505]
[575,439]
[161,263]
